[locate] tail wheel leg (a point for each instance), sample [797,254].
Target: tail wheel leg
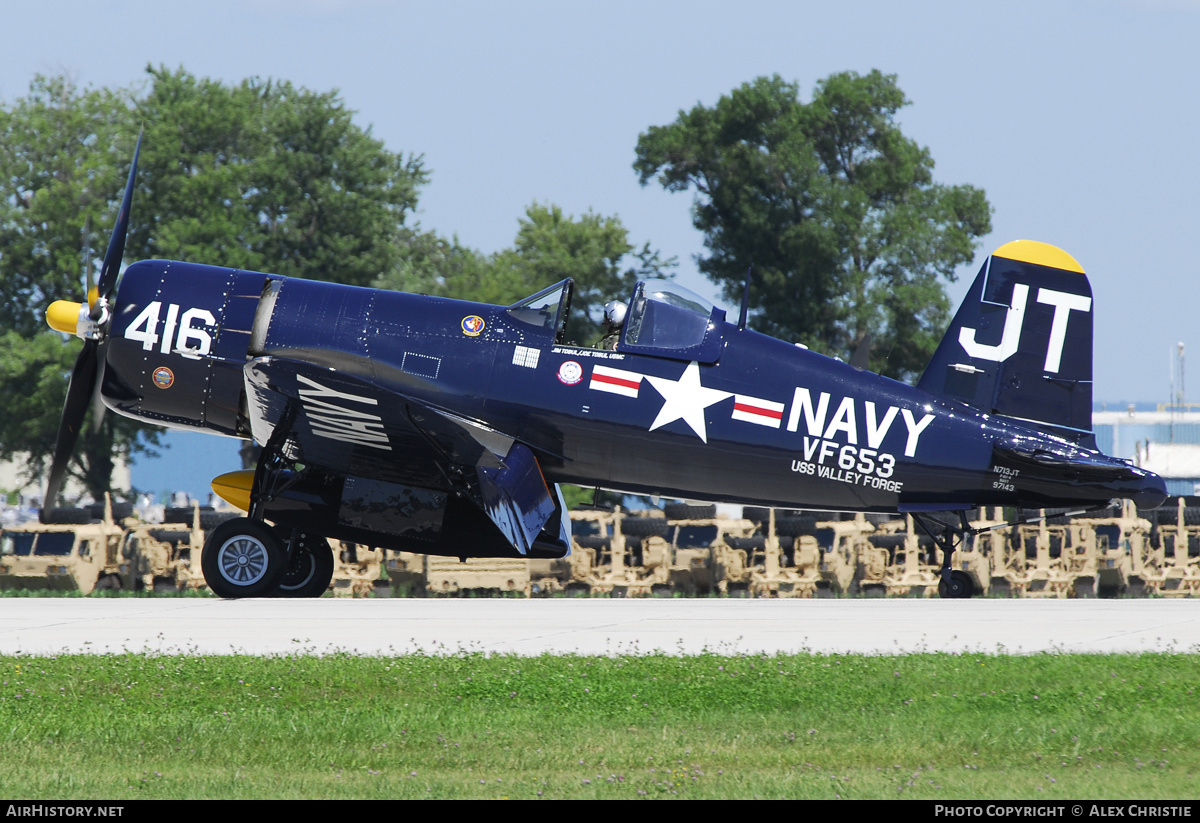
[954,583]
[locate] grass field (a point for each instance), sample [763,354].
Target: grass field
[1048,727]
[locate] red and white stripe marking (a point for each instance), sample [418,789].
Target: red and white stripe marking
[615,381]
[756,410]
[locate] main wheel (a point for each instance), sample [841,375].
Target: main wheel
[960,586]
[310,570]
[242,558]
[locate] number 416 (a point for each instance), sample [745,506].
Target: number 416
[190,341]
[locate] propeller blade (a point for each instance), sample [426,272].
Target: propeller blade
[98,407]
[116,244]
[79,397]
[87,258]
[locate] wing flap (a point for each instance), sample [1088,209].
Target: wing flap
[351,427]
[516,498]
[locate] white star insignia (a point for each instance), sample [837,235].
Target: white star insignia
[685,399]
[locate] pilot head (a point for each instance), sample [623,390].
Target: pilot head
[614,315]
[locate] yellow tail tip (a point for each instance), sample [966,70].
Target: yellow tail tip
[1040,254]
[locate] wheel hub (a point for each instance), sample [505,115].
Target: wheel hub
[242,560]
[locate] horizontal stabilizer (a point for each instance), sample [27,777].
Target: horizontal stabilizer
[1096,467]
[1043,467]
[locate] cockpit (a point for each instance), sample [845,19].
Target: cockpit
[667,320]
[664,319]
[548,309]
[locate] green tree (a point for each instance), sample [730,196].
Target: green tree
[261,175]
[268,176]
[835,209]
[594,250]
[431,264]
[62,151]
[33,372]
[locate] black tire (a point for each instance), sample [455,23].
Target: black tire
[592,541]
[887,541]
[1165,516]
[67,517]
[178,514]
[108,583]
[757,514]
[120,510]
[959,588]
[310,570]
[644,526]
[746,544]
[683,511]
[795,526]
[210,520]
[242,558]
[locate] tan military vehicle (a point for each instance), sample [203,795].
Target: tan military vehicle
[1040,558]
[66,556]
[449,575]
[840,545]
[978,553]
[1106,552]
[1170,561]
[786,556]
[160,554]
[618,554]
[357,569]
[700,552]
[405,573]
[419,575]
[901,559]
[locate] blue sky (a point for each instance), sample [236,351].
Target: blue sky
[1079,119]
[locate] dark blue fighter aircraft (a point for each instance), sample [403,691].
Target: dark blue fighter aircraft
[443,427]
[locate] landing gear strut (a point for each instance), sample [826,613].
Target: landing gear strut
[245,557]
[309,567]
[954,583]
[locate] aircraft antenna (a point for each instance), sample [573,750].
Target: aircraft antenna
[745,301]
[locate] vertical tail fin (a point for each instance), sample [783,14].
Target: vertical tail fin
[1021,343]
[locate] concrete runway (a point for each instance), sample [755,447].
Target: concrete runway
[46,626]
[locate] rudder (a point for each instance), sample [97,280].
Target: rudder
[1021,343]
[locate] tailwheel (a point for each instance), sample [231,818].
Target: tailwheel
[309,568]
[242,558]
[953,583]
[957,584]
